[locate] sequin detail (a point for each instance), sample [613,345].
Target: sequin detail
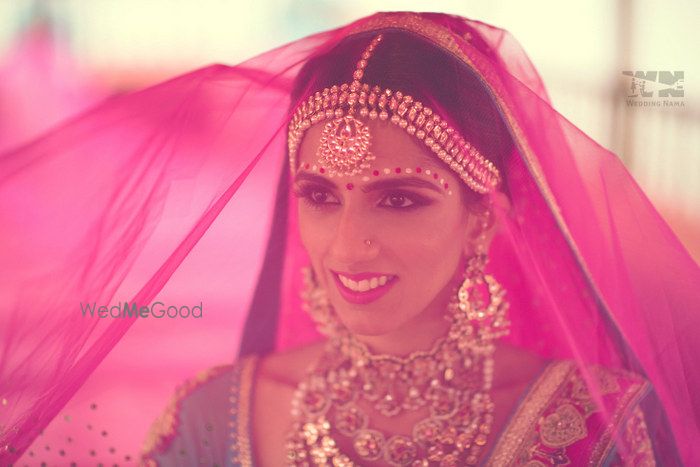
[165,427]
[240,407]
[560,423]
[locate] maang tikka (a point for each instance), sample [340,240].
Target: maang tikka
[345,142]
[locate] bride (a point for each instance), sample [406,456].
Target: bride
[453,273]
[399,163]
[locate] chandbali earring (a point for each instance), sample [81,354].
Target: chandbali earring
[315,302]
[481,296]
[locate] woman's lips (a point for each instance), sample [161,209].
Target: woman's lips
[367,296]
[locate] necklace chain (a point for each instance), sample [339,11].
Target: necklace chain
[451,382]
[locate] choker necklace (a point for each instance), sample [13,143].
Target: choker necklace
[451,382]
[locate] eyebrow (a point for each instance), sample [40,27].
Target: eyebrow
[373,186]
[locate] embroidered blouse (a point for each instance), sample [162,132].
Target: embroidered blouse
[557,421]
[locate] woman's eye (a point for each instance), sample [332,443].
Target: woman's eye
[315,197]
[397,200]
[320,198]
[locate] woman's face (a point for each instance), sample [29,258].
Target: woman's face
[419,231]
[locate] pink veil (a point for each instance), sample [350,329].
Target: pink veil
[40,85]
[179,194]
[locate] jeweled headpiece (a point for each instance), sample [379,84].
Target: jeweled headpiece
[345,141]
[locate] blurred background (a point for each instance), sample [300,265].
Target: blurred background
[58,57]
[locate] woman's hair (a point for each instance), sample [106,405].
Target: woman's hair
[406,62]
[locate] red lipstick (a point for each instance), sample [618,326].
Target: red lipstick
[362,298]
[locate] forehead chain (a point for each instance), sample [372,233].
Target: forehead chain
[345,143]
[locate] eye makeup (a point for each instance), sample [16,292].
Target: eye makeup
[307,192]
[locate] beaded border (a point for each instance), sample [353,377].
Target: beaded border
[240,406]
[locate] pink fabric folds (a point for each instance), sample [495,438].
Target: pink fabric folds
[40,85]
[179,194]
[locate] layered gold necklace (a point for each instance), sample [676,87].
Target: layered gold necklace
[452,381]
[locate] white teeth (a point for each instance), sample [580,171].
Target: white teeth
[363,285]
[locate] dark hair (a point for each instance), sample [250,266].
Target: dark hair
[407,62]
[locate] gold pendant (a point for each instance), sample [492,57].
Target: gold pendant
[344,146]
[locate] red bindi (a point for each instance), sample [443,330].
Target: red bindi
[349,186]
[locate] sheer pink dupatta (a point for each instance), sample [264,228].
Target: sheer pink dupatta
[169,194]
[40,85]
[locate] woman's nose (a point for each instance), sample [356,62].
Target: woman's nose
[350,244]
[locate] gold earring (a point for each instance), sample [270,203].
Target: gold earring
[481,298]
[315,302]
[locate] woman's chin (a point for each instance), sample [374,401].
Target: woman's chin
[367,324]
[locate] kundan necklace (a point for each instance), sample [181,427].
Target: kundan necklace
[452,381]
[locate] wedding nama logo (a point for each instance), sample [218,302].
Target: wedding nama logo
[133,310]
[655,88]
